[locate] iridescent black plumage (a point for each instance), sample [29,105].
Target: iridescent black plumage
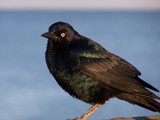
[90,73]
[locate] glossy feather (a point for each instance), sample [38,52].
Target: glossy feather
[87,71]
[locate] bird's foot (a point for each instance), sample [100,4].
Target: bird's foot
[89,112]
[78,118]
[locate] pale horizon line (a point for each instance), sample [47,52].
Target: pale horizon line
[79,5]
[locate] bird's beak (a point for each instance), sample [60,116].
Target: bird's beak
[48,35]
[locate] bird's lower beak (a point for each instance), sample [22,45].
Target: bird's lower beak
[48,35]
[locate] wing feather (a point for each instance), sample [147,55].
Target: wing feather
[109,69]
[116,73]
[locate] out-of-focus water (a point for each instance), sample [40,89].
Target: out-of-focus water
[29,92]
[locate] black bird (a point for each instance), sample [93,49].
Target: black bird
[87,71]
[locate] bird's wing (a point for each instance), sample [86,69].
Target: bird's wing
[115,72]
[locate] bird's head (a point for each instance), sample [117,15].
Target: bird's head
[61,33]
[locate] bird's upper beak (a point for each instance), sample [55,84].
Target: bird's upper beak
[48,35]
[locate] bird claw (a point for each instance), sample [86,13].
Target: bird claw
[78,118]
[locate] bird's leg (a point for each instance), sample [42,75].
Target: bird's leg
[89,112]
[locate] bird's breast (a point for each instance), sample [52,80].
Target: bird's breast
[77,84]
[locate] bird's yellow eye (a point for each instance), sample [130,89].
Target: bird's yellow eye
[63,34]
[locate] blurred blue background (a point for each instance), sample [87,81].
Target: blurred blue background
[27,89]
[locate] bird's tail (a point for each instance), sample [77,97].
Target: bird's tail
[143,101]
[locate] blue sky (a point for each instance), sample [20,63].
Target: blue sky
[81,4]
